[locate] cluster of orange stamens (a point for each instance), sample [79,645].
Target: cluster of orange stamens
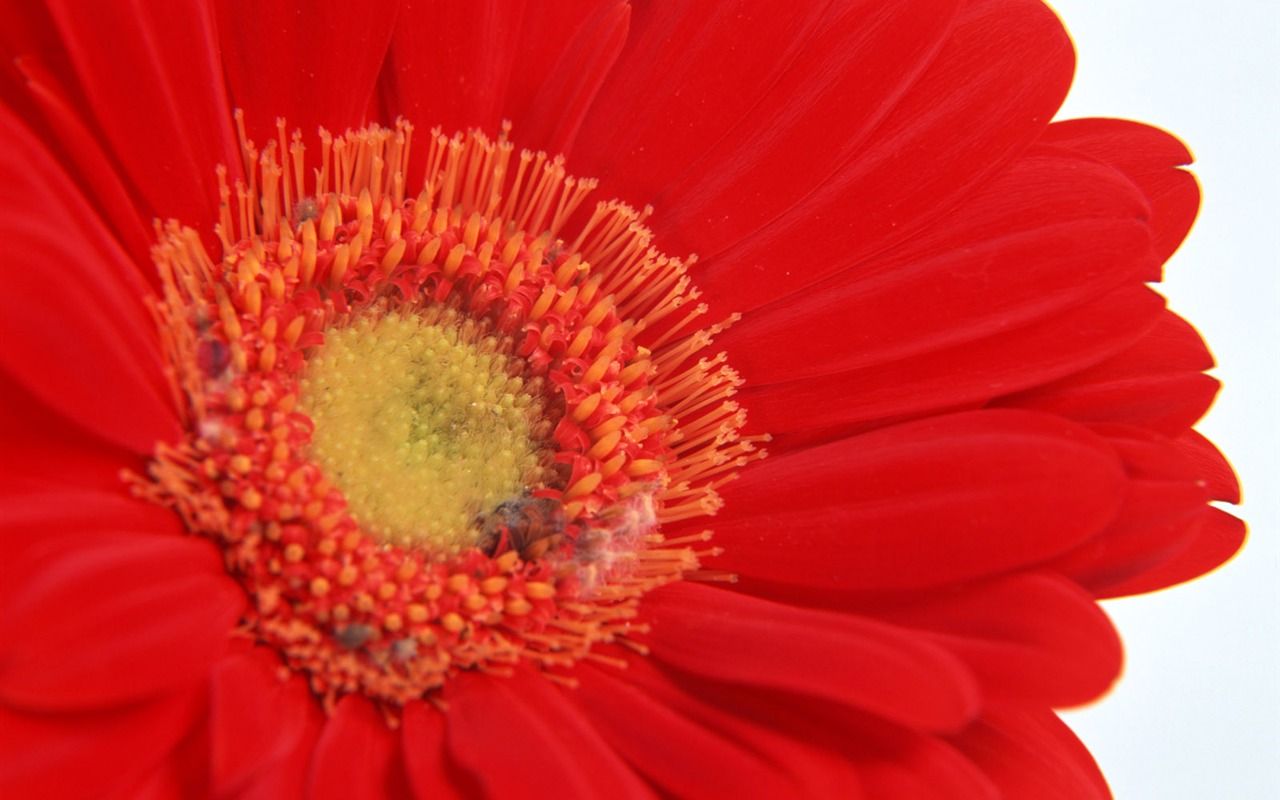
[635,415]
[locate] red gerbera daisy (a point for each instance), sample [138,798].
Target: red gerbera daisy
[416,453]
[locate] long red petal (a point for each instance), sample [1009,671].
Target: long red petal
[673,752]
[356,734]
[73,327]
[46,451]
[1163,512]
[1049,234]
[562,103]
[314,66]
[154,83]
[555,751]
[1219,537]
[96,167]
[255,718]
[31,519]
[85,755]
[1151,158]
[872,758]
[863,663]
[778,758]
[920,504]
[804,411]
[1157,383]
[1211,466]
[106,618]
[286,779]
[984,97]
[747,87]
[1031,755]
[1035,638]
[457,81]
[431,775]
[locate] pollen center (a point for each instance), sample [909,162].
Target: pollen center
[421,429]
[460,430]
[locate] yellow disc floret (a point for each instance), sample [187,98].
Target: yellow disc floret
[422,430]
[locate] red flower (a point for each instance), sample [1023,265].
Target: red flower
[980,413]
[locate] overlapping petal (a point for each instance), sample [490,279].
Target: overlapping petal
[157,92]
[355,733]
[1000,103]
[76,332]
[71,636]
[790,65]
[314,66]
[920,504]
[1030,637]
[1050,234]
[672,750]
[255,719]
[569,754]
[1031,755]
[84,755]
[1150,158]
[727,636]
[1157,383]
[964,376]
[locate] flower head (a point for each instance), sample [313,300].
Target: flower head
[417,452]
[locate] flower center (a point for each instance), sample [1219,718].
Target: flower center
[439,432]
[421,430]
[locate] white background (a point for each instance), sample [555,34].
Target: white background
[1197,714]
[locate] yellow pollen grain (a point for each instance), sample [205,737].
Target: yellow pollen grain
[421,430]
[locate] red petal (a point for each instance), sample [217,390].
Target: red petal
[96,167]
[997,80]
[74,329]
[45,451]
[1219,537]
[561,106]
[1156,383]
[806,411]
[670,750]
[30,520]
[183,775]
[1150,158]
[456,80]
[153,78]
[105,618]
[866,664]
[314,66]
[26,29]
[781,762]
[1211,466]
[430,773]
[255,718]
[357,757]
[287,778]
[889,761]
[1047,235]
[63,511]
[920,504]
[1163,510]
[1028,637]
[923,768]
[1031,755]
[556,751]
[792,69]
[72,756]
